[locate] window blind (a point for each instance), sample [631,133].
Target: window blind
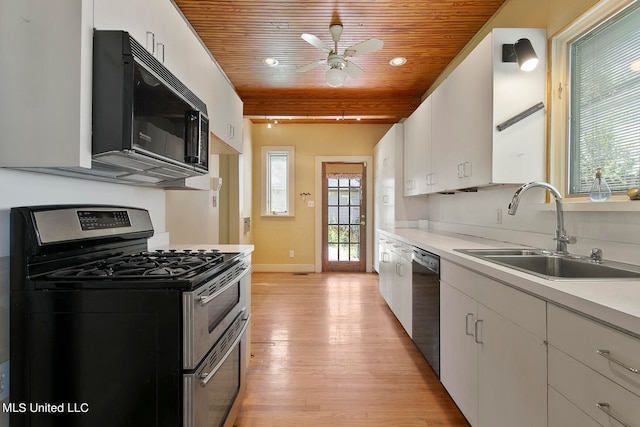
[605,105]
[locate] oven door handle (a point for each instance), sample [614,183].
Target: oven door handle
[207,299]
[206,376]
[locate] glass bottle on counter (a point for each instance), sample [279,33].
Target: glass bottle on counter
[600,191]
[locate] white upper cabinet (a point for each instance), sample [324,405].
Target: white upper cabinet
[468,149]
[46,64]
[417,150]
[226,114]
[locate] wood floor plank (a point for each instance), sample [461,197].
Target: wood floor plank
[327,351]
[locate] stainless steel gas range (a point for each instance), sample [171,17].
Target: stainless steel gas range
[105,332]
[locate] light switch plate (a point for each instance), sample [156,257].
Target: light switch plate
[4,380]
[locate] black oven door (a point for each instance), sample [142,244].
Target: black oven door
[214,391]
[209,311]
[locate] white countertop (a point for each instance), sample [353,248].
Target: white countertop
[616,302]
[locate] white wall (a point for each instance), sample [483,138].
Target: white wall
[18,188]
[616,231]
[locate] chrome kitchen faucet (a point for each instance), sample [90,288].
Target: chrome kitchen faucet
[561,238]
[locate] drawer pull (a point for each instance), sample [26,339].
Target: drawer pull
[604,407]
[607,355]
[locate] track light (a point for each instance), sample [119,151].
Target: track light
[521,52]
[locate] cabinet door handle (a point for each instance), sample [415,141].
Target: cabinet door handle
[466,324]
[476,331]
[160,52]
[607,355]
[151,42]
[604,407]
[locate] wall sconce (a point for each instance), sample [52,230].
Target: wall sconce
[521,52]
[304,196]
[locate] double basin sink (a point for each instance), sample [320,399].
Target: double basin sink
[554,266]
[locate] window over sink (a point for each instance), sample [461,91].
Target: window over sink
[595,85]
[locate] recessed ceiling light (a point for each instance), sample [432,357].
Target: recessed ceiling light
[398,61]
[272,62]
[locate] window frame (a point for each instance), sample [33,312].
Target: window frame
[560,95]
[266,152]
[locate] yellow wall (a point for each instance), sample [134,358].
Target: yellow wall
[275,237]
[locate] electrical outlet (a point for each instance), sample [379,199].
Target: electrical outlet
[498,216]
[4,380]
[291,254]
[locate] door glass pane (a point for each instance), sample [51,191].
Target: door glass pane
[343,253]
[354,251]
[332,252]
[344,215]
[332,217]
[332,196]
[332,234]
[355,215]
[344,196]
[355,196]
[344,234]
[354,236]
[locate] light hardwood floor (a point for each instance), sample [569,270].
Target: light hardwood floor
[327,351]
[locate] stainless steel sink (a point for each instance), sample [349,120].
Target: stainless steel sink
[553,266]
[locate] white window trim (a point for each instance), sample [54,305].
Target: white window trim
[559,98]
[290,152]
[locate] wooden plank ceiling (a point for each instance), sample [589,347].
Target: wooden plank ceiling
[241,33]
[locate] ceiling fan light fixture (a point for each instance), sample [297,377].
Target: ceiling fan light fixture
[335,77]
[398,61]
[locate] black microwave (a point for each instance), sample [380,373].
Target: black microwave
[145,121]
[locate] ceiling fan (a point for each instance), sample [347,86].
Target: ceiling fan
[339,66]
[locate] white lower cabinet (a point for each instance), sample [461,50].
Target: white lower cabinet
[458,349]
[593,368]
[493,351]
[395,278]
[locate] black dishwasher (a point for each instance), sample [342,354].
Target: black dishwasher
[425,284]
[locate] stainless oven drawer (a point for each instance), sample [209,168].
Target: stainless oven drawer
[216,388]
[209,311]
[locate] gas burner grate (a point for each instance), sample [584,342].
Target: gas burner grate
[154,264]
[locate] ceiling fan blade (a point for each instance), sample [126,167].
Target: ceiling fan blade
[314,41]
[366,46]
[353,70]
[311,65]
